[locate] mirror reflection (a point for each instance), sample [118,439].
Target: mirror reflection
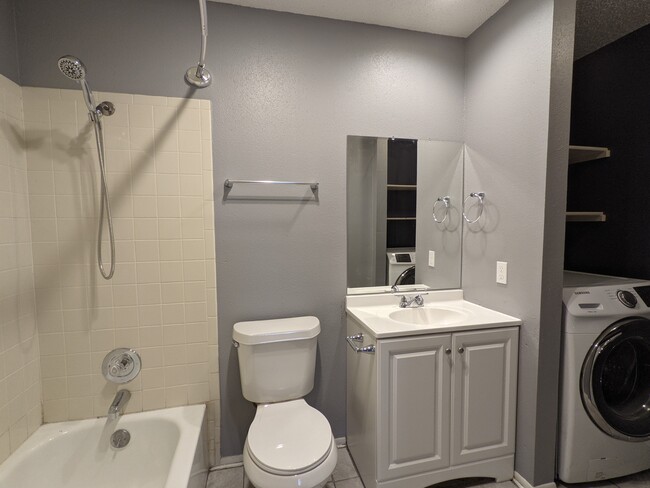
[403,214]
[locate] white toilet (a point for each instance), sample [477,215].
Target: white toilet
[289,443]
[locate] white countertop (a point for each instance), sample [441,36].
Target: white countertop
[456,314]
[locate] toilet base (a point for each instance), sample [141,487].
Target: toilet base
[309,479]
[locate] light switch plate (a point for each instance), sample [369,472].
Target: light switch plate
[432,259]
[502,272]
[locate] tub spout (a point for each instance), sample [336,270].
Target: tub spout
[116,409]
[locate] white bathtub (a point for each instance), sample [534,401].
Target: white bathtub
[166,451]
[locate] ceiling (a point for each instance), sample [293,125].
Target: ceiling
[600,22]
[457,18]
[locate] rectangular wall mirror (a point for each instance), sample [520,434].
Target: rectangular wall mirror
[404,200]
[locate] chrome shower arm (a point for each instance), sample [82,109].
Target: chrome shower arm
[204,31]
[199,76]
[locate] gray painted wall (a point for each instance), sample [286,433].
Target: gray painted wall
[554,227]
[8,44]
[133,47]
[287,91]
[516,152]
[297,87]
[382,210]
[440,173]
[362,219]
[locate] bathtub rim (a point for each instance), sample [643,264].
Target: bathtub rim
[188,460]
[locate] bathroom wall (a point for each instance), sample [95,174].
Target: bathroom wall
[440,173]
[8,41]
[612,111]
[362,214]
[20,387]
[518,78]
[287,91]
[294,88]
[161,300]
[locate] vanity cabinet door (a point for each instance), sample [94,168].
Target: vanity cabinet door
[484,390]
[413,398]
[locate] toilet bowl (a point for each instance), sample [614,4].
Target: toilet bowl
[289,443]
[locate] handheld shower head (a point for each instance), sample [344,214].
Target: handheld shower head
[74,69]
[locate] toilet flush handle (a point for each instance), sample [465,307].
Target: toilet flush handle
[235,343]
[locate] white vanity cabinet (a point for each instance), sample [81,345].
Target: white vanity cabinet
[430,408]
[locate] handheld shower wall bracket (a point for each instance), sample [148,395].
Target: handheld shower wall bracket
[105,108]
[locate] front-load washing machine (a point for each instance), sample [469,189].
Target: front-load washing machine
[605,378]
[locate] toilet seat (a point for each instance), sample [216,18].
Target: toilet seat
[289,438]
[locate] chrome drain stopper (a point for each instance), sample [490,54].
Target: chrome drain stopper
[120,438]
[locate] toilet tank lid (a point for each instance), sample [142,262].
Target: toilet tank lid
[276,330]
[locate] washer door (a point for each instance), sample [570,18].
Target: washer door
[615,380]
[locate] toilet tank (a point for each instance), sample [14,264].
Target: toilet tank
[276,358]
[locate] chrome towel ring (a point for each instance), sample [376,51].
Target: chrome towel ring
[444,201]
[480,196]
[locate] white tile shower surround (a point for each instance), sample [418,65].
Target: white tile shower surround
[162,299]
[345,476]
[20,387]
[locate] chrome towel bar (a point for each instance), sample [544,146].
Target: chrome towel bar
[359,338]
[312,184]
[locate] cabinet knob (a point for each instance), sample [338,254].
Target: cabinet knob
[447,351]
[461,350]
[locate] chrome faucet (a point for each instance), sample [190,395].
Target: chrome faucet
[407,302]
[116,409]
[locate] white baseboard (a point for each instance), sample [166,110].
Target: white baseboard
[521,482]
[228,461]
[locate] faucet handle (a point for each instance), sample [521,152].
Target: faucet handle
[121,365]
[419,301]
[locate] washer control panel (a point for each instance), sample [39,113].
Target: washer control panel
[608,300]
[627,298]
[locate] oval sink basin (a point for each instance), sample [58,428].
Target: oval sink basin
[428,316]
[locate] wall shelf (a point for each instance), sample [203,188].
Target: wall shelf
[586,217]
[580,154]
[402,187]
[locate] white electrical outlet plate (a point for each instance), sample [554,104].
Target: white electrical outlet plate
[432,259]
[502,272]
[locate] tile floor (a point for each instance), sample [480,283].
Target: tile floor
[638,480]
[345,476]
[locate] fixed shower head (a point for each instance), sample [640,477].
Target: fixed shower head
[72,67]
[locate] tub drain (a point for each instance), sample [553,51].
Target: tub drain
[120,438]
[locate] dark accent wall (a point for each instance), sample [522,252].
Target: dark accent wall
[611,107]
[8,43]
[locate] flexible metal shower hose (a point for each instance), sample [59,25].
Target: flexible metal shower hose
[104,206]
